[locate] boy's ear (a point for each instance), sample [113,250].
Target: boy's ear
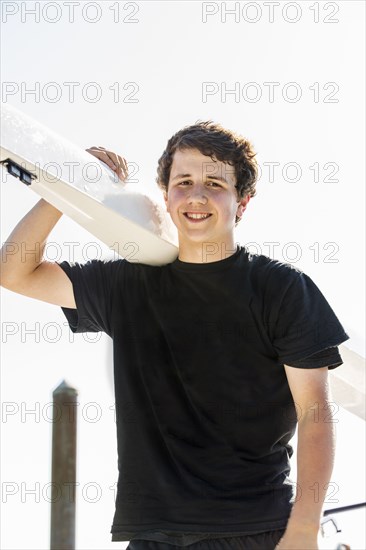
[165,195]
[243,203]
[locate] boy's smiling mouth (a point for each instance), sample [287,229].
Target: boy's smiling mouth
[197,216]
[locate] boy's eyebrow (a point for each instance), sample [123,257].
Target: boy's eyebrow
[218,178]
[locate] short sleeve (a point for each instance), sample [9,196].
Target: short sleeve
[93,285]
[329,357]
[305,322]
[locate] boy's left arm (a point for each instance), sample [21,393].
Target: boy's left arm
[315,455]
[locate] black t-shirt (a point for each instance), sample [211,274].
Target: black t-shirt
[204,409]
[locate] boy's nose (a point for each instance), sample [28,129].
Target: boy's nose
[197,193]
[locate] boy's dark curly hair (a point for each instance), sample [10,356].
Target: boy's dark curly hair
[212,140]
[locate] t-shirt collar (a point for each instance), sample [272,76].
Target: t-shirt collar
[207,266]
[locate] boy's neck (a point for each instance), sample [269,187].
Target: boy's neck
[206,252]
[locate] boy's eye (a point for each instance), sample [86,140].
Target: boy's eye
[214,183]
[210,182]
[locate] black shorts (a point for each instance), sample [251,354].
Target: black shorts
[260,541]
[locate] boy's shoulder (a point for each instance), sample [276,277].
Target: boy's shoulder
[272,267]
[271,278]
[258,267]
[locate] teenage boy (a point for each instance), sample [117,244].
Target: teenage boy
[218,356]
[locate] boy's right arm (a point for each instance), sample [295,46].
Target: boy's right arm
[22,268]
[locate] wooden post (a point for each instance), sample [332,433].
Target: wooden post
[63,468]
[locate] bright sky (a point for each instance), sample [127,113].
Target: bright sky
[287,75]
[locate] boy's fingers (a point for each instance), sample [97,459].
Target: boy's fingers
[117,163]
[102,155]
[114,158]
[123,164]
[120,167]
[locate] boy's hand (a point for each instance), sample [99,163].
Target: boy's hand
[117,163]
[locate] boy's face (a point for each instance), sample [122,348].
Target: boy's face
[197,184]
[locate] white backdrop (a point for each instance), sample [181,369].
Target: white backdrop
[127,75]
